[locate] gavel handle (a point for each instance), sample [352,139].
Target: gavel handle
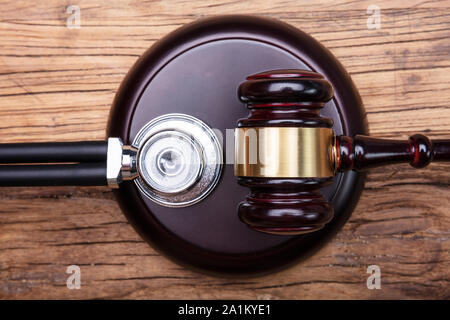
[363,152]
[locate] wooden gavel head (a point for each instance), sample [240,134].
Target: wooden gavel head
[284,151]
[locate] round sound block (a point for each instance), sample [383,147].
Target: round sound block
[196,70]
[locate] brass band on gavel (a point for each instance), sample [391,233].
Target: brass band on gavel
[284,152]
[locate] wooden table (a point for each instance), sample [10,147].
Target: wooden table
[58,83]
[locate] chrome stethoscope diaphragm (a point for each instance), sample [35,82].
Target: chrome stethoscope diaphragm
[179,160]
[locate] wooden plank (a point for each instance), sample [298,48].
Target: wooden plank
[58,84]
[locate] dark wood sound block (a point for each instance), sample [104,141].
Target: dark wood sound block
[196,70]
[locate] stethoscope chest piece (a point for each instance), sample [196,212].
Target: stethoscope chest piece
[179,160]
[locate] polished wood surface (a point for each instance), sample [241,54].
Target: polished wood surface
[209,235]
[58,84]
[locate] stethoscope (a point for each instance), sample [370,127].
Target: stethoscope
[175,160]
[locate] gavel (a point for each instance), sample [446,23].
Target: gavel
[285,151]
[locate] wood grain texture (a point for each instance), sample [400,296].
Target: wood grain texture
[58,84]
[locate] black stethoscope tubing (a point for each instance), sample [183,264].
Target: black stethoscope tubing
[53,164]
